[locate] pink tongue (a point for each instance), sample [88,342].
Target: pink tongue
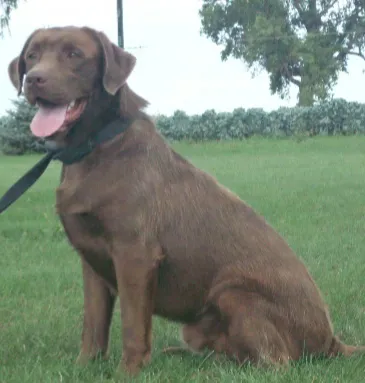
[48,120]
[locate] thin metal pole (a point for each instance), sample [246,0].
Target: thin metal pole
[120,23]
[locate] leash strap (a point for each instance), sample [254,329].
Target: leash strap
[25,182]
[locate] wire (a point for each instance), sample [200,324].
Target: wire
[314,34]
[283,37]
[136,47]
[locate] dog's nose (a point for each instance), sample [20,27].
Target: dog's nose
[36,78]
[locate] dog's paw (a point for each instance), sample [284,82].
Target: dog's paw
[176,350]
[133,362]
[83,359]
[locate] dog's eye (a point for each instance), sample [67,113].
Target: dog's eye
[74,54]
[31,55]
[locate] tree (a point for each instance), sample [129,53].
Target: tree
[6,7]
[15,135]
[302,42]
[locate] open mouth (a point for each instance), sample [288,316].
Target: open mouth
[51,118]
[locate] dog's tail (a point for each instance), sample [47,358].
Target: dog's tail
[337,348]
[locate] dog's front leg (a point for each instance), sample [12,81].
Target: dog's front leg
[98,310]
[136,266]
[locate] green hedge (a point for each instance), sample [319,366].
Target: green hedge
[329,118]
[336,117]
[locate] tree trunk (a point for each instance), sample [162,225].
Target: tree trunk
[306,96]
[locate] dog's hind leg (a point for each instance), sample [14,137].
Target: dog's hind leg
[256,340]
[252,334]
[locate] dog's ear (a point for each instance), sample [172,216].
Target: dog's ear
[16,73]
[16,68]
[118,64]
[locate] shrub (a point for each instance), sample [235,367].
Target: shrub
[15,135]
[336,117]
[328,118]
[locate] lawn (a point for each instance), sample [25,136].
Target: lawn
[312,192]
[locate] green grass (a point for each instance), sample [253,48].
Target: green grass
[312,192]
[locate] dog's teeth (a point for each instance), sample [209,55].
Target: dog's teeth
[71,104]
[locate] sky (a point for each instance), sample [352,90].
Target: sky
[177,67]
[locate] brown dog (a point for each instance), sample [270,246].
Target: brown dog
[157,232]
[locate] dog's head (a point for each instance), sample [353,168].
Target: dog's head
[70,71]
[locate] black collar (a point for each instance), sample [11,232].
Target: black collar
[67,156]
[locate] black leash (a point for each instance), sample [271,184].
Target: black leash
[24,183]
[67,156]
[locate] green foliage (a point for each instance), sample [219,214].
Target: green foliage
[6,7]
[15,135]
[303,42]
[337,117]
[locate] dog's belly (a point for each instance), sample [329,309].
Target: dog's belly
[177,297]
[184,282]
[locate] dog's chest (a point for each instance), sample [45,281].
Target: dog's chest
[86,232]
[88,236]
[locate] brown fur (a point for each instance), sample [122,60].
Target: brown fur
[162,235]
